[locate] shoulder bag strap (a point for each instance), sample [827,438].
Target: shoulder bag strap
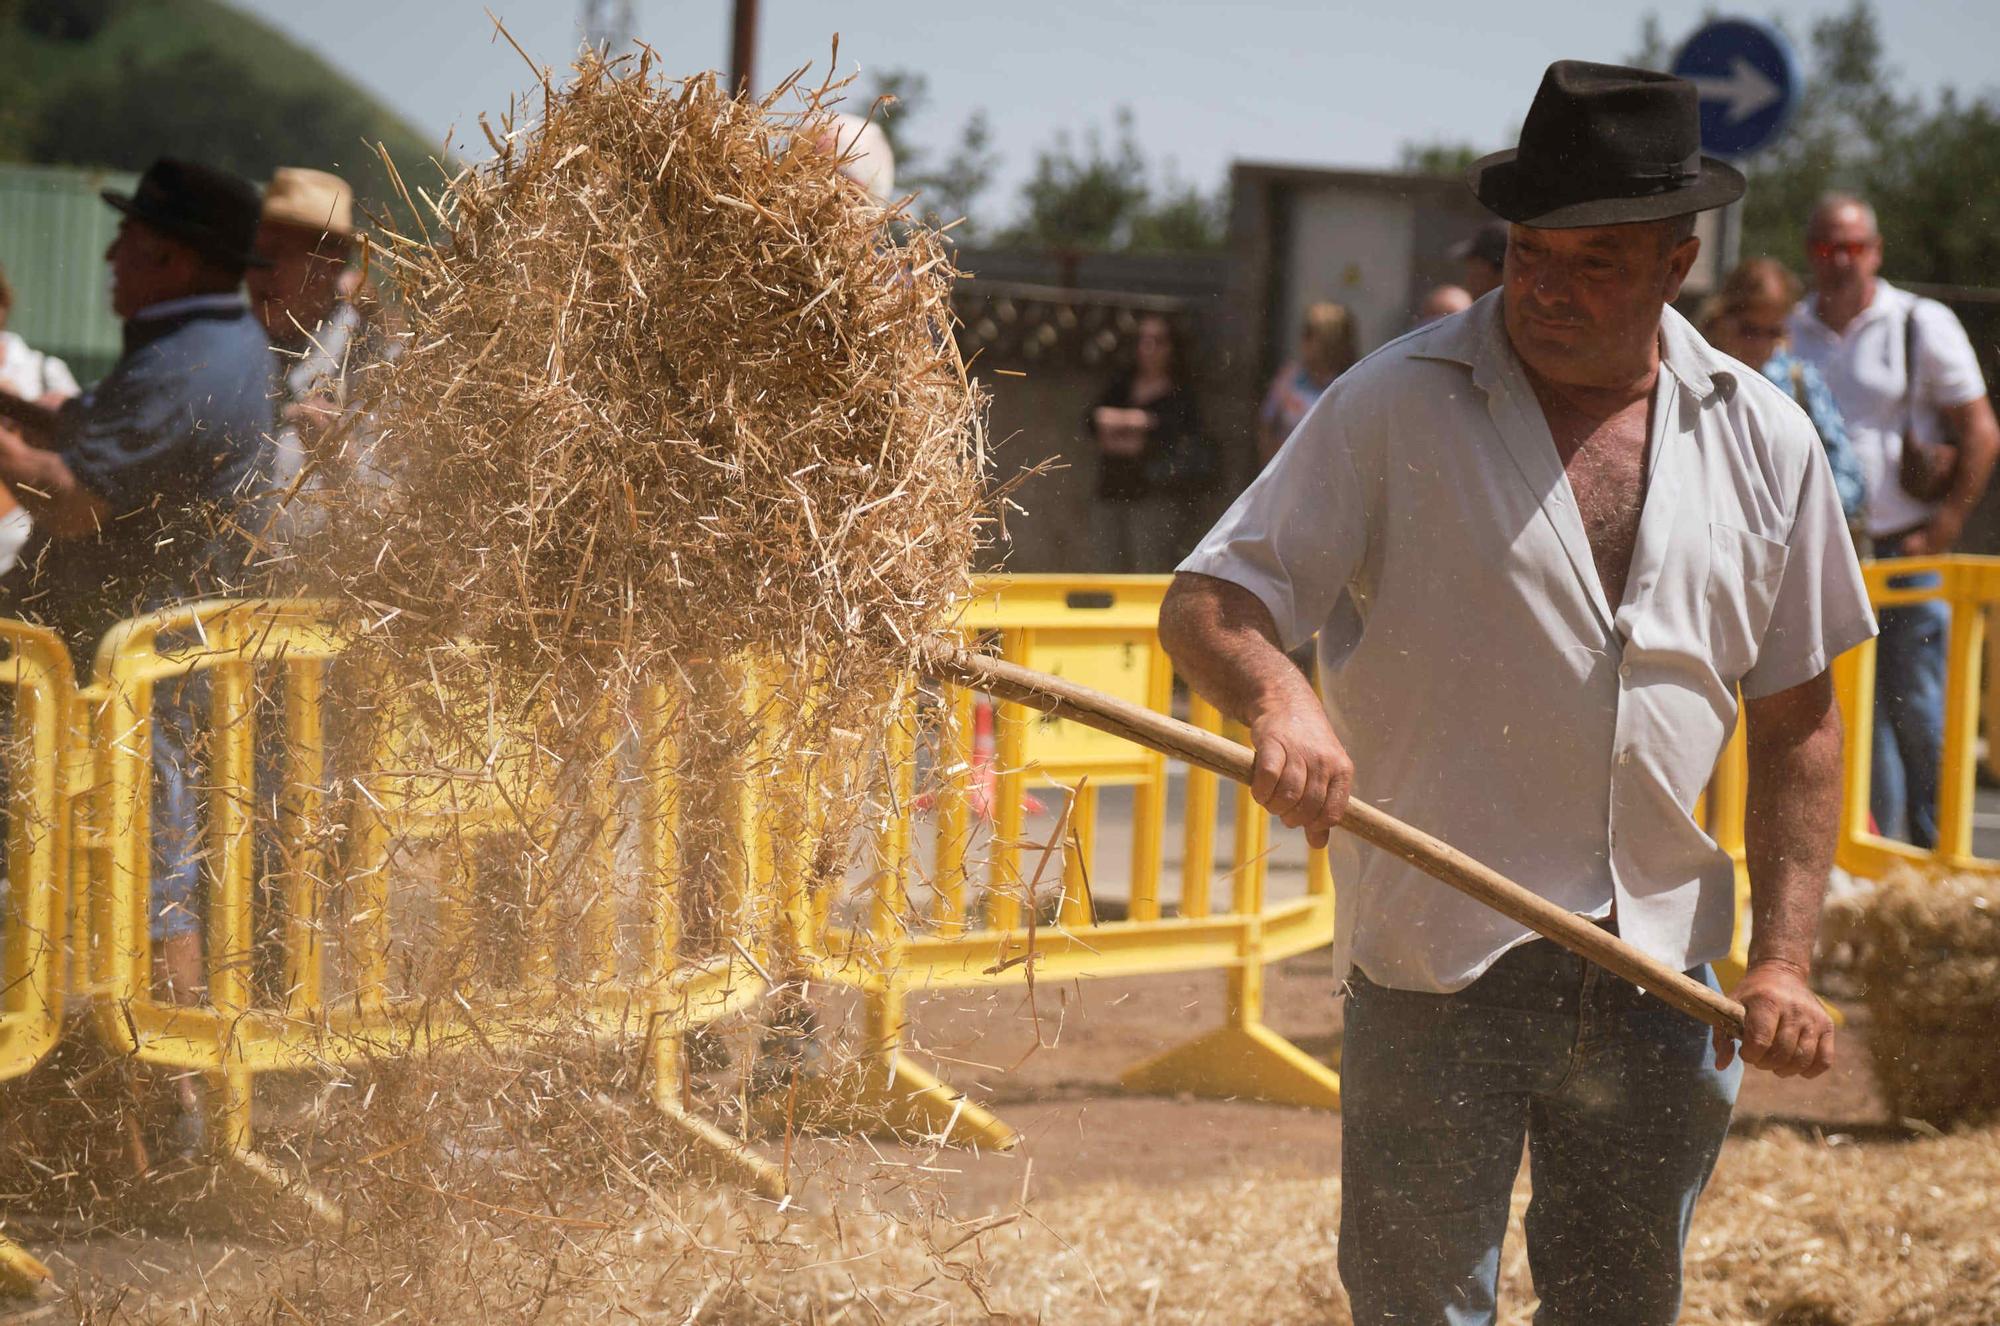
[1910,381]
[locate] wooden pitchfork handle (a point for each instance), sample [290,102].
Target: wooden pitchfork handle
[1438,859]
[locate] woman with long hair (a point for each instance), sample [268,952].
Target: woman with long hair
[1153,465]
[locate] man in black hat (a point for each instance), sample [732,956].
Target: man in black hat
[145,490]
[1544,546]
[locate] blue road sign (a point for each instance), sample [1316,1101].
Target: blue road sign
[1747,80]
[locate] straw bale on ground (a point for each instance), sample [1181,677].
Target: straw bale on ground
[1927,952]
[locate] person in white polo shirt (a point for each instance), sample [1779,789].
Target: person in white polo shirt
[1908,383]
[1545,544]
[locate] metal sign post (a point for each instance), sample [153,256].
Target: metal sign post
[1749,84]
[1748,81]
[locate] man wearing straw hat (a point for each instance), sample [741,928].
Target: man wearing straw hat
[308,298]
[1545,544]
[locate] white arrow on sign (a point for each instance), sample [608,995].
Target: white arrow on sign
[1746,89]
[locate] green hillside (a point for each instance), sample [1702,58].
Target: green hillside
[119,82]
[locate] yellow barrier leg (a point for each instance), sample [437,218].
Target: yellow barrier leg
[659,830]
[954,811]
[1198,857]
[885,1091]
[20,1274]
[1243,1059]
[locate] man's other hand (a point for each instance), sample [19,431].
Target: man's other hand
[1302,774]
[1935,539]
[1786,1030]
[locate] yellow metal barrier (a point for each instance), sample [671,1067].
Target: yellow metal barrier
[957,927]
[1970,586]
[239,1031]
[34,893]
[1002,930]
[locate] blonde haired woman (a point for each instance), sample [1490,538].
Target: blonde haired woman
[1745,319]
[1328,347]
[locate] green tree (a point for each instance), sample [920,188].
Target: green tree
[948,191]
[1095,194]
[1180,218]
[119,82]
[1102,195]
[104,119]
[1084,197]
[1437,158]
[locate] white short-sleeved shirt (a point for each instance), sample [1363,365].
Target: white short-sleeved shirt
[30,374]
[1865,368]
[1420,521]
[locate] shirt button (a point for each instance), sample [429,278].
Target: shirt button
[1625,669]
[1625,756]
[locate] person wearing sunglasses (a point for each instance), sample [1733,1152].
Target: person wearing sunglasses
[1908,383]
[1745,319]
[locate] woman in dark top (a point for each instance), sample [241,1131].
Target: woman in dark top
[1152,463]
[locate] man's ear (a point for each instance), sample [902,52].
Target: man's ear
[1679,263]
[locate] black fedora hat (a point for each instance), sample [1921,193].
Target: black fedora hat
[1604,145]
[210,210]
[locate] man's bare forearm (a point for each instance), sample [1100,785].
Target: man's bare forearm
[48,490]
[1223,641]
[1978,439]
[37,422]
[1793,819]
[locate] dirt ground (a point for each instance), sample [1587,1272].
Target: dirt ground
[1078,1128]
[1049,1067]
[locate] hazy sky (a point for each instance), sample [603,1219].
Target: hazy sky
[1319,83]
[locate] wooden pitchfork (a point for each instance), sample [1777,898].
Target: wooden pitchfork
[1438,859]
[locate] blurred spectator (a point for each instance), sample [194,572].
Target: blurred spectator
[865,154]
[1908,383]
[1328,347]
[1746,319]
[305,236]
[1153,463]
[312,304]
[145,491]
[32,376]
[1442,302]
[1483,256]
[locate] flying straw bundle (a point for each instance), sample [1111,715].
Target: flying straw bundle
[676,403]
[672,389]
[1927,948]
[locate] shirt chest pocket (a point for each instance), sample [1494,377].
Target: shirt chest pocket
[1744,571]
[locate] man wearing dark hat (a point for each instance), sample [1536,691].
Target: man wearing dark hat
[1544,546]
[145,489]
[1482,257]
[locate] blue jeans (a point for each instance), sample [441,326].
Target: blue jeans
[179,705]
[1615,1096]
[1909,715]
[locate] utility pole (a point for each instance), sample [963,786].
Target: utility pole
[608,25]
[743,48]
